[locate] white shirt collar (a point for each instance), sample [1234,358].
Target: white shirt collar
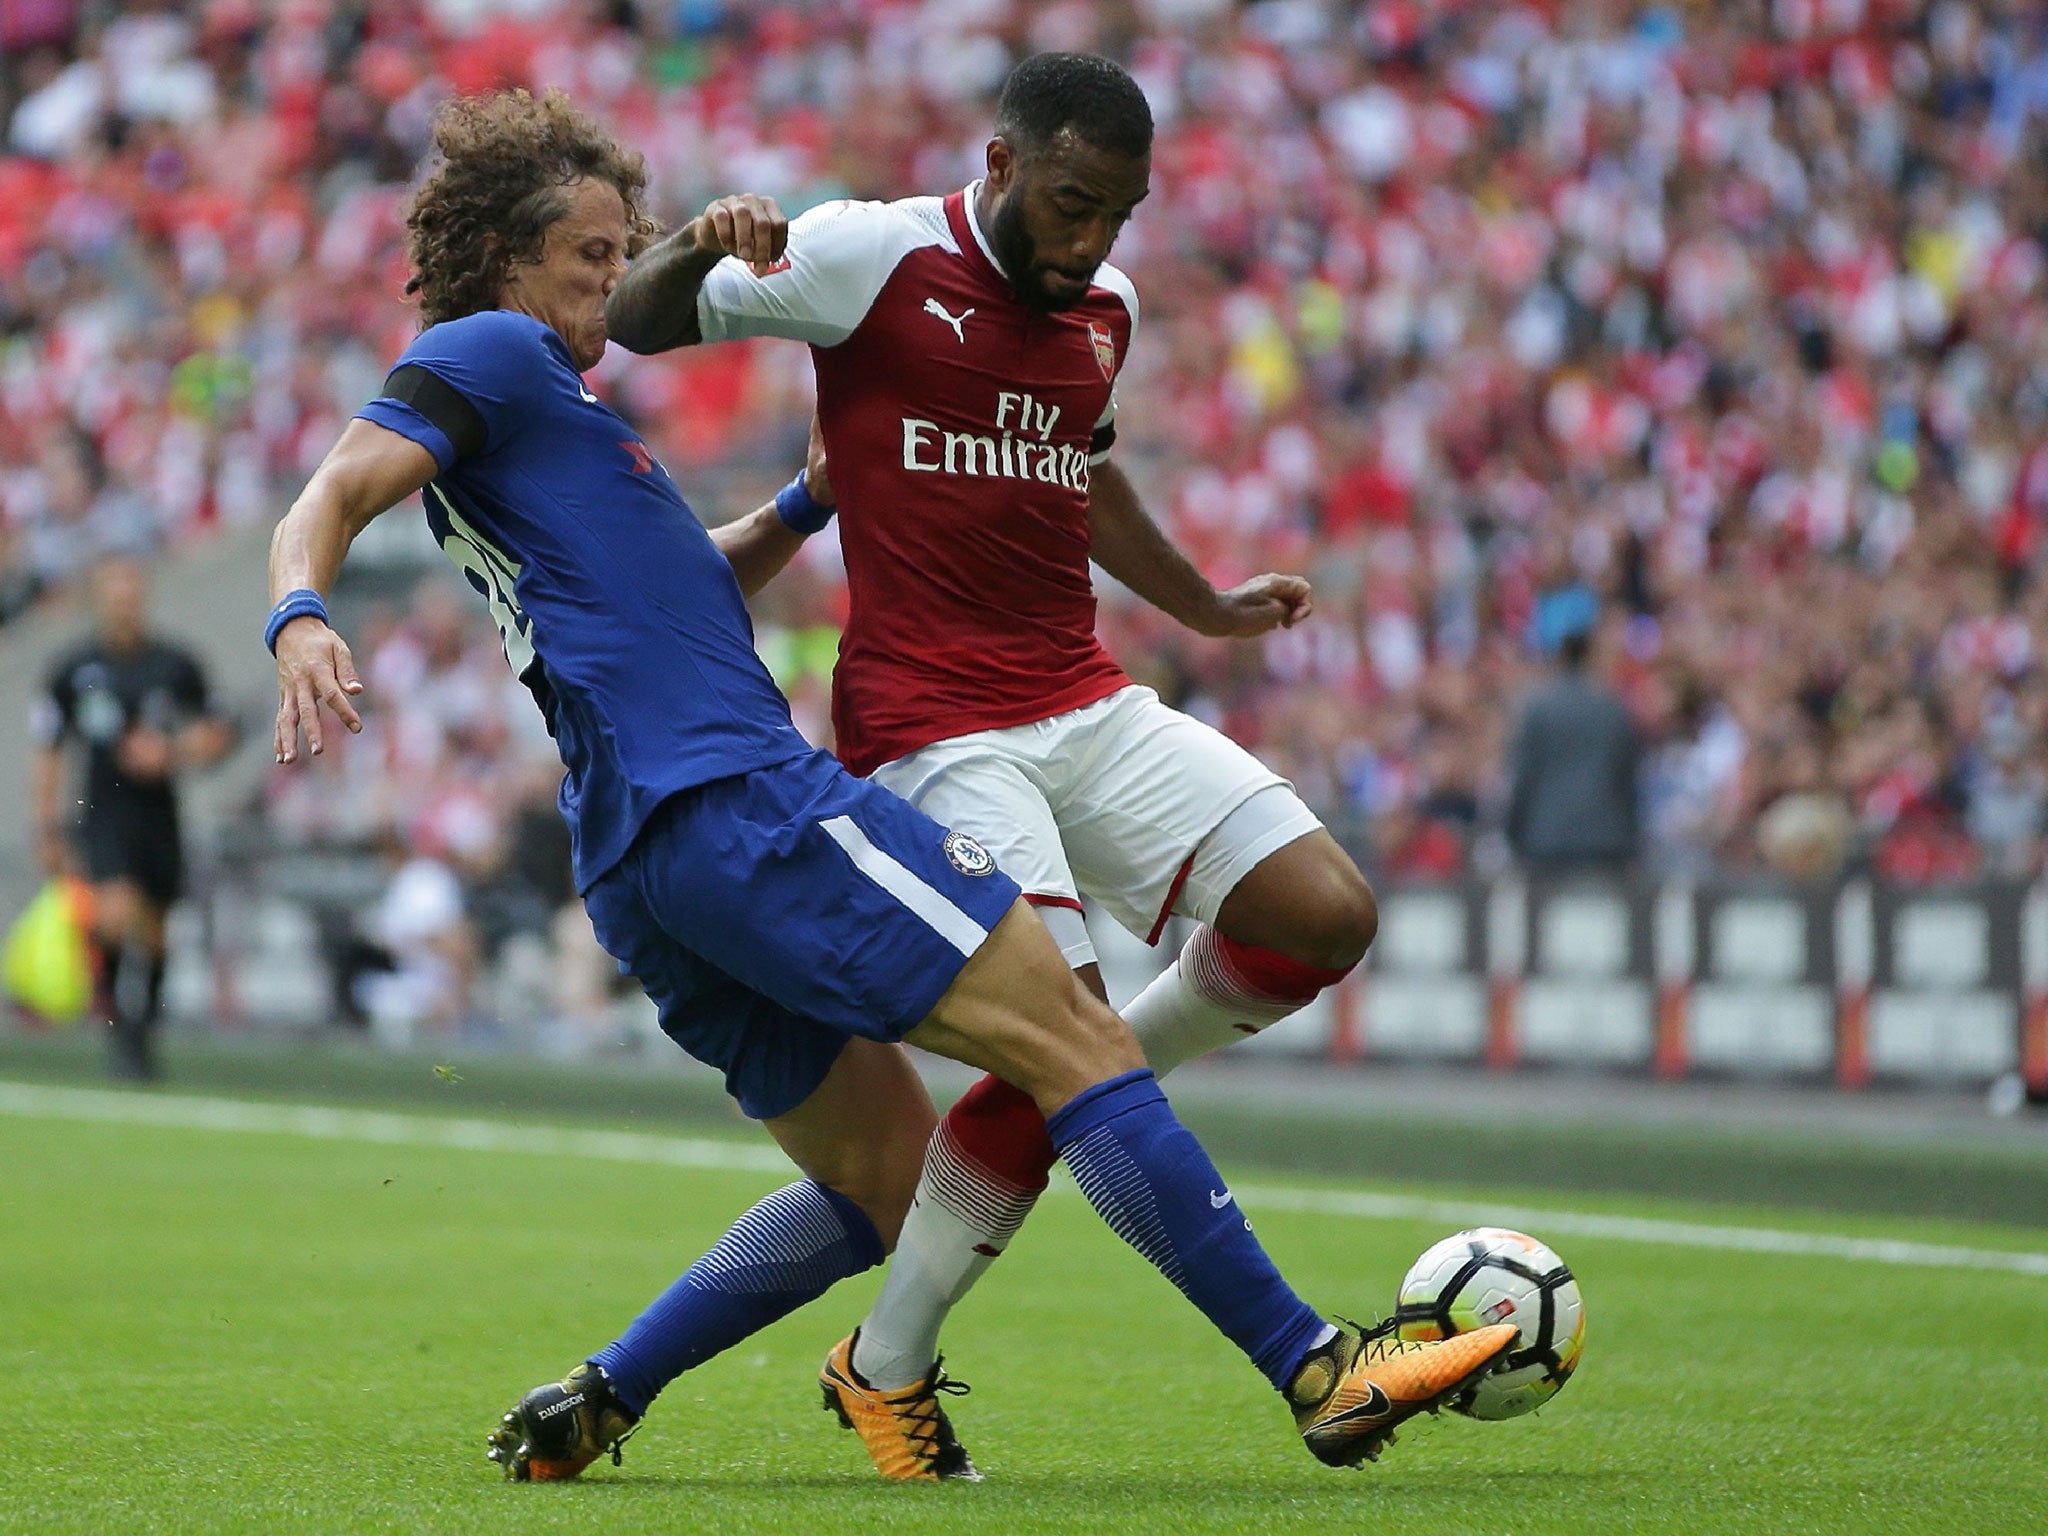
[974,226]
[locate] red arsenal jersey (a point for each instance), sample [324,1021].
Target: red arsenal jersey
[961,429]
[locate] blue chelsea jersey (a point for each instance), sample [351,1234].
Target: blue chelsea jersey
[614,606]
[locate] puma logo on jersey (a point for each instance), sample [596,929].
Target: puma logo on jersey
[934,307]
[584,390]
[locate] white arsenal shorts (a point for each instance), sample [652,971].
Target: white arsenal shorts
[1138,807]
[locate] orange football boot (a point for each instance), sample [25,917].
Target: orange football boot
[1350,1395]
[907,1433]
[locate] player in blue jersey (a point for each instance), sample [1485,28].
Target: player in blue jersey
[791,922]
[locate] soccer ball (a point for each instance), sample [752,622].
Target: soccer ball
[1491,1275]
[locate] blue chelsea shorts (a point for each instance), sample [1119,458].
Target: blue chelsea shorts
[775,913]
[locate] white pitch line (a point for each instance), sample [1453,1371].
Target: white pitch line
[188,1112]
[194,1113]
[1636,1229]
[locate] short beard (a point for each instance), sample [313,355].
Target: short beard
[1011,244]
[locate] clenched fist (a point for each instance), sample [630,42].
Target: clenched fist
[746,225]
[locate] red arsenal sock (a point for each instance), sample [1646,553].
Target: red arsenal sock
[1218,991]
[984,1170]
[989,1158]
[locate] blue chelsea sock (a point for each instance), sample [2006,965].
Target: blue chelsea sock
[786,1251]
[1149,1178]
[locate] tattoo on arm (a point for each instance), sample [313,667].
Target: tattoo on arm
[654,306]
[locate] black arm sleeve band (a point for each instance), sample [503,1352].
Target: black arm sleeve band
[1103,437]
[432,396]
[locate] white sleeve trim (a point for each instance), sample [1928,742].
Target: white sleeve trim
[839,256]
[1116,282]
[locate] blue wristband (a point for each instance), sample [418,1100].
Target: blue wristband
[296,605]
[798,512]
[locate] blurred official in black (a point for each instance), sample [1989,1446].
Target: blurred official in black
[137,706]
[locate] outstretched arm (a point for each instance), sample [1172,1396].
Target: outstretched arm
[367,473]
[1125,542]
[654,306]
[760,544]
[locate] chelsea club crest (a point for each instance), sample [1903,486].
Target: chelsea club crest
[968,856]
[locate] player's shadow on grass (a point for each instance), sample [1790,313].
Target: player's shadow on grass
[1094,1490]
[1436,1481]
[764,1484]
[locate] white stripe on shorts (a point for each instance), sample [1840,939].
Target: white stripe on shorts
[944,919]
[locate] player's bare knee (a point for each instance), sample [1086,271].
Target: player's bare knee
[1350,919]
[1070,1040]
[881,1179]
[1335,917]
[1307,901]
[887,1206]
[1090,1045]
[1111,1043]
[863,1132]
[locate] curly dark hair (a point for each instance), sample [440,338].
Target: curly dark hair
[504,160]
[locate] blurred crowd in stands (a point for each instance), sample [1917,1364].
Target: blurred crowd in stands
[452,780]
[1714,335]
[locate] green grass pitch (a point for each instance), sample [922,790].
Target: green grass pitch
[211,1331]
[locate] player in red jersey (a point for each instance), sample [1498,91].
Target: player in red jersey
[967,350]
